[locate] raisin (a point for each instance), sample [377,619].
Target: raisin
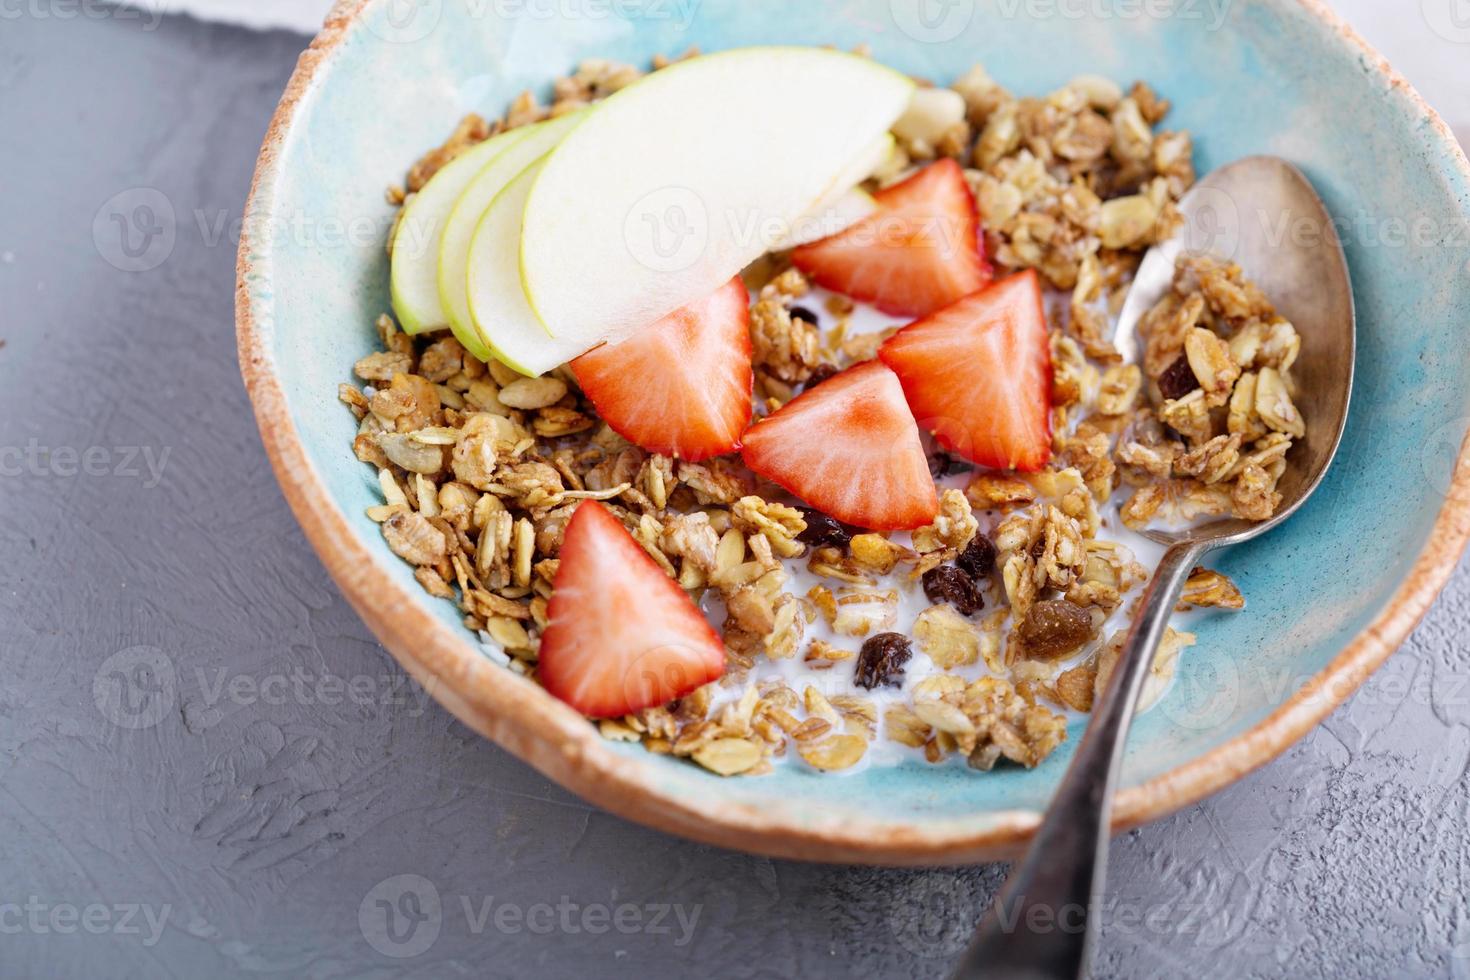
[820,373]
[1178,380]
[822,531]
[1055,628]
[949,584]
[978,558]
[941,465]
[802,313]
[880,662]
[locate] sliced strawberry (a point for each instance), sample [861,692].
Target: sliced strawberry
[682,386]
[621,636]
[919,252]
[849,447]
[978,375]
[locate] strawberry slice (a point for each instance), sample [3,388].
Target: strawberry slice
[850,449]
[919,252]
[621,635]
[978,375]
[681,387]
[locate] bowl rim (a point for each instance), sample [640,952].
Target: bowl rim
[521,717]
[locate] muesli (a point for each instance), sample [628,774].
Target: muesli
[974,633]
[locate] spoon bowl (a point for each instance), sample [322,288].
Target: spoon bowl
[1262,213]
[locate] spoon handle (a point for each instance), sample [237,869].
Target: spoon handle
[1042,924]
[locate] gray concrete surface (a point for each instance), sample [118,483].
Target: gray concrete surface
[254,820]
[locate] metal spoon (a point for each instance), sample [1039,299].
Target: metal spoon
[1262,213]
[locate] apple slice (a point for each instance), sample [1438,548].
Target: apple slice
[416,237]
[863,166]
[829,218]
[867,163]
[496,301]
[454,248]
[845,204]
[679,181]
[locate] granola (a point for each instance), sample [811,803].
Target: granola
[1218,358]
[480,468]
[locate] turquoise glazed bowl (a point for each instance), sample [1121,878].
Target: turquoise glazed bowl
[1331,594]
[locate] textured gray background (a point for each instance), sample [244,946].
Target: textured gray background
[253,814]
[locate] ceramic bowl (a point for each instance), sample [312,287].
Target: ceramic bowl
[1331,594]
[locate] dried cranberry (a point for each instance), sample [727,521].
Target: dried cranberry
[978,558]
[949,584]
[802,313]
[822,531]
[820,373]
[1178,380]
[1055,628]
[880,662]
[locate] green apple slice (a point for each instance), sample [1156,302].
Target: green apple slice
[845,203]
[829,218]
[863,166]
[416,236]
[454,246]
[872,158]
[498,304]
[679,181]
